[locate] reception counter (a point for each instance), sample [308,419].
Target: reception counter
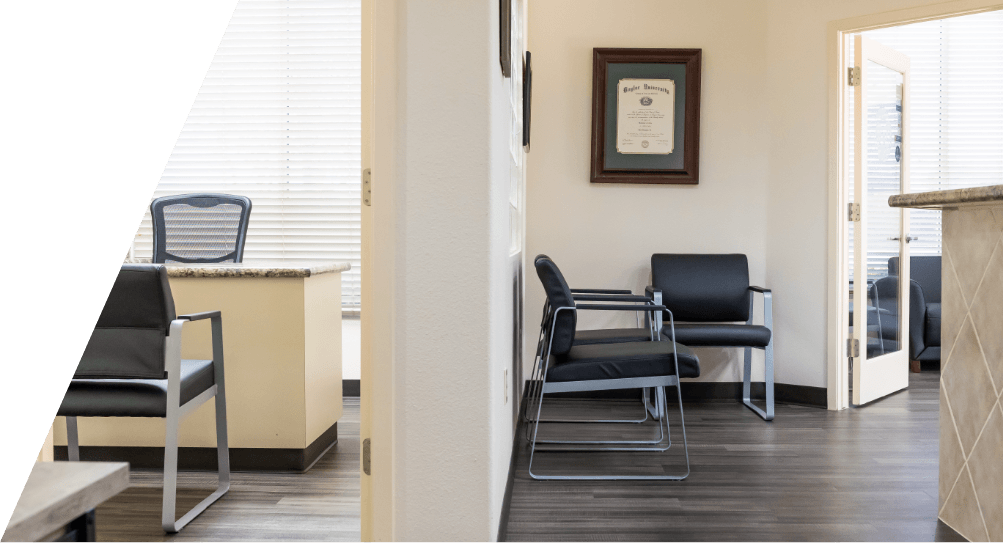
[970,455]
[282,343]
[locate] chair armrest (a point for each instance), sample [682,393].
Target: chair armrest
[617,307]
[610,298]
[759,289]
[598,291]
[200,316]
[650,290]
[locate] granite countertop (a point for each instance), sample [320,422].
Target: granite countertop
[58,492]
[252,269]
[948,198]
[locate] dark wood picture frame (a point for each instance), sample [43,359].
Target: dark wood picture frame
[527,95]
[600,169]
[505,37]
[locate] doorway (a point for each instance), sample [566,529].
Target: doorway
[950,138]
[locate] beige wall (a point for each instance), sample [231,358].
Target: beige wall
[603,235]
[763,188]
[437,330]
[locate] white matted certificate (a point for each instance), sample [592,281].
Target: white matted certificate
[645,109]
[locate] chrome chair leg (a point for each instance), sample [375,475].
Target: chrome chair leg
[72,440]
[661,399]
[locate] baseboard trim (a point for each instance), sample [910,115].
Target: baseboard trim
[503,531]
[204,458]
[350,388]
[697,391]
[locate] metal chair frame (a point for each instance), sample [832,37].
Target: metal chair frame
[176,413]
[768,322]
[658,383]
[647,408]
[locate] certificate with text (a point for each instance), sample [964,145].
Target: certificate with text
[645,109]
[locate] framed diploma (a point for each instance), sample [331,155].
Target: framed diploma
[646,116]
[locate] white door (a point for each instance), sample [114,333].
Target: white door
[879,340]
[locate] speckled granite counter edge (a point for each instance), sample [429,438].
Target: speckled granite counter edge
[176,270]
[949,198]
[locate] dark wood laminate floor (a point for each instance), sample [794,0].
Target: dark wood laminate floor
[319,505]
[864,474]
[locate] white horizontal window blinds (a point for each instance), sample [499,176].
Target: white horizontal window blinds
[278,120]
[956,114]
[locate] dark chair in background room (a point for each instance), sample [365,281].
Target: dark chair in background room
[132,367]
[563,366]
[200,228]
[925,307]
[711,292]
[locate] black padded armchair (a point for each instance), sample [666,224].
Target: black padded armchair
[710,293]
[200,228]
[563,366]
[924,337]
[132,367]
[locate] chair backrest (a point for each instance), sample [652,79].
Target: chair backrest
[558,295]
[128,340]
[926,271]
[196,228]
[703,288]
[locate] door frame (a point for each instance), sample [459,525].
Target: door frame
[379,222]
[837,379]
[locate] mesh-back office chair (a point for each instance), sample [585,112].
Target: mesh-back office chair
[200,228]
[562,366]
[132,367]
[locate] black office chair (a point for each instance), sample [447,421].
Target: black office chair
[132,367]
[562,366]
[711,292]
[200,228]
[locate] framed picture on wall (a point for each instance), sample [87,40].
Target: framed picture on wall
[646,116]
[527,94]
[505,38]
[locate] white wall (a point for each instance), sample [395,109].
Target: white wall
[449,325]
[763,189]
[603,235]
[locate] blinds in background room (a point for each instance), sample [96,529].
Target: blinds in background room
[278,120]
[956,114]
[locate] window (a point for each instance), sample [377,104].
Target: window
[278,120]
[956,113]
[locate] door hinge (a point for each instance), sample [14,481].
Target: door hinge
[854,212]
[854,76]
[366,456]
[853,348]
[367,175]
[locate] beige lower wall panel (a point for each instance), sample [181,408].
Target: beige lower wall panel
[322,308]
[263,335]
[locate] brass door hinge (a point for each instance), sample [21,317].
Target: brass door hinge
[854,212]
[853,348]
[367,189]
[854,76]
[366,456]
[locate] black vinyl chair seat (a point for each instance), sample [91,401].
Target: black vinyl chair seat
[134,397]
[613,335]
[622,361]
[720,335]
